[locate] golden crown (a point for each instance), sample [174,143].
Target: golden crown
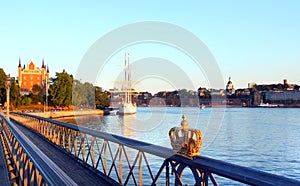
[185,141]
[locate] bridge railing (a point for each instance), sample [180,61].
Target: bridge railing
[129,161]
[27,165]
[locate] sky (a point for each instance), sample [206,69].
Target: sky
[251,41]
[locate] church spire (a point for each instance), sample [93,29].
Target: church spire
[43,64]
[20,63]
[229,80]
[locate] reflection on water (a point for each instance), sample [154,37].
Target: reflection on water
[263,138]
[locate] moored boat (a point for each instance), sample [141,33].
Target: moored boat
[126,106]
[267,105]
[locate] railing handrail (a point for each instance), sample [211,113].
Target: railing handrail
[239,173]
[51,173]
[159,151]
[235,172]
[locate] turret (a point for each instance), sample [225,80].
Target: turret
[20,73]
[19,63]
[19,68]
[43,64]
[47,77]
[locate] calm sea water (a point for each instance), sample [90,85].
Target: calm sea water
[267,139]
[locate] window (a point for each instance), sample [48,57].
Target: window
[24,77]
[38,78]
[31,77]
[31,83]
[24,83]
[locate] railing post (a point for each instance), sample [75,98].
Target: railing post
[140,168]
[83,147]
[75,144]
[63,138]
[205,177]
[31,173]
[93,151]
[69,141]
[120,165]
[167,173]
[58,131]
[105,160]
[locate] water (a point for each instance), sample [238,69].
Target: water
[262,138]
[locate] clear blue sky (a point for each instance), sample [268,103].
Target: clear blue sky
[252,41]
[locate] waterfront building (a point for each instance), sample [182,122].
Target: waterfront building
[256,98]
[282,97]
[31,75]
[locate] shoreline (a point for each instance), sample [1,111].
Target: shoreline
[73,113]
[62,114]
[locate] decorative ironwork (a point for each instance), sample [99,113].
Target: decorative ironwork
[185,141]
[125,160]
[27,165]
[22,171]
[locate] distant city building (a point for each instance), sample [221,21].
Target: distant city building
[282,97]
[217,92]
[288,86]
[229,87]
[32,75]
[251,85]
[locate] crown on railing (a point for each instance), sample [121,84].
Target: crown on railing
[185,141]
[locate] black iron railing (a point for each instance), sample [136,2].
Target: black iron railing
[128,161]
[28,165]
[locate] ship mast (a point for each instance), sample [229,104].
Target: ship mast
[125,71]
[129,84]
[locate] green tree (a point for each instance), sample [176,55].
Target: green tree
[61,89]
[37,94]
[83,94]
[26,100]
[15,96]
[90,94]
[101,98]
[2,86]
[78,93]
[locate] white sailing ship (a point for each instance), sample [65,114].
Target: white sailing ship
[126,106]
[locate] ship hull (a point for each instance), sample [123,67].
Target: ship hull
[126,108]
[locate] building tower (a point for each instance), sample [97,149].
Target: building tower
[229,87]
[19,73]
[43,70]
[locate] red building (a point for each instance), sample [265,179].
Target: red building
[32,75]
